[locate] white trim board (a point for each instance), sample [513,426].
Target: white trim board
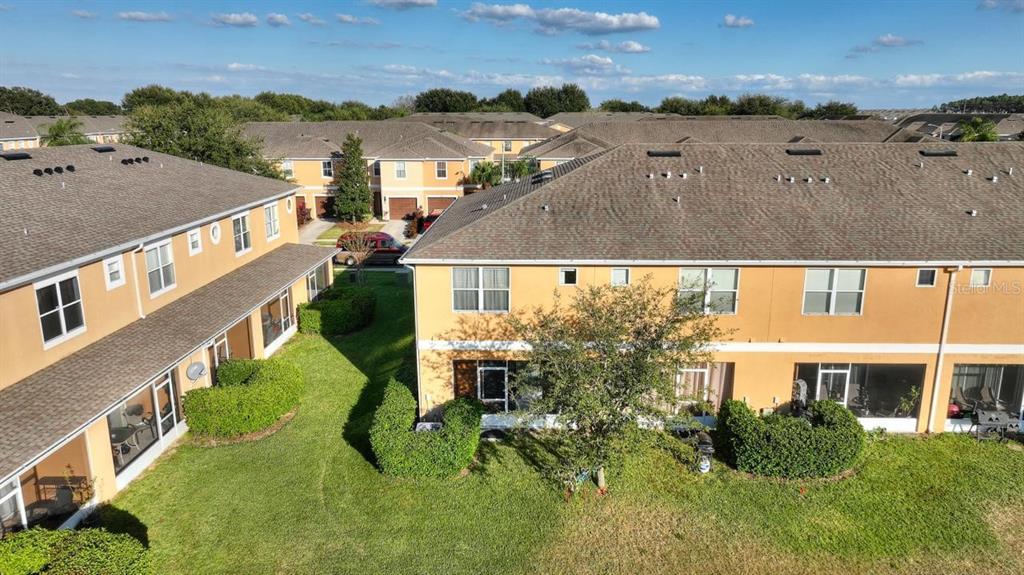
[767,347]
[719,263]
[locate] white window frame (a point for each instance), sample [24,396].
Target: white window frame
[215,233]
[196,234]
[162,265]
[833,292]
[272,225]
[441,170]
[935,277]
[404,173]
[479,289]
[708,287]
[376,169]
[561,276]
[703,369]
[846,389]
[14,484]
[66,335]
[480,369]
[246,231]
[327,169]
[119,261]
[313,287]
[988,278]
[287,169]
[611,278]
[506,146]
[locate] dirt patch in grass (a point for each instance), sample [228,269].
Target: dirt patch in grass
[1007,522]
[202,441]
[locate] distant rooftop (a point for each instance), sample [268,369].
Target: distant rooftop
[406,140]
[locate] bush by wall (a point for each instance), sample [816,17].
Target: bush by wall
[403,452]
[250,395]
[63,552]
[825,444]
[341,309]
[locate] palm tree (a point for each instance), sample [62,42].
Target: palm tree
[977,130]
[64,132]
[485,174]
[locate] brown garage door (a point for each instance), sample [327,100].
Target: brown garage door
[325,206]
[399,207]
[438,203]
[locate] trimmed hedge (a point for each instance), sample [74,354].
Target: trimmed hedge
[82,552]
[826,443]
[341,309]
[403,452]
[250,395]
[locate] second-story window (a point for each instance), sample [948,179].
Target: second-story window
[195,241]
[376,169]
[506,146]
[327,168]
[441,169]
[287,169]
[480,289]
[834,291]
[400,170]
[981,277]
[926,277]
[620,277]
[272,224]
[113,272]
[160,268]
[243,237]
[710,290]
[60,308]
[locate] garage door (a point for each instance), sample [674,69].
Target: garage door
[399,207]
[325,206]
[438,203]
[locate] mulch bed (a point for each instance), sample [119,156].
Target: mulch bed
[203,441]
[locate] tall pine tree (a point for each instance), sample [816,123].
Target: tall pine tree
[352,197]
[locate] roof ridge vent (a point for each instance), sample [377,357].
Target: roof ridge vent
[804,151]
[938,153]
[664,153]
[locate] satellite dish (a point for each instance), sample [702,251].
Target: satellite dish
[195,370]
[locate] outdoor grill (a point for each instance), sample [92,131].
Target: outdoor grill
[990,424]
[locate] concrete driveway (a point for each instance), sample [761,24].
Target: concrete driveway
[311,231]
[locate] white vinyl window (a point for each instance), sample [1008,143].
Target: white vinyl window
[441,169]
[981,277]
[834,291]
[243,237]
[113,272]
[59,301]
[327,168]
[620,277]
[195,242]
[567,276]
[287,169]
[492,383]
[400,170]
[480,289]
[717,288]
[692,384]
[506,146]
[273,226]
[160,268]
[376,169]
[926,277]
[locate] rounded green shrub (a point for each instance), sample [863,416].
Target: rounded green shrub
[81,552]
[29,551]
[341,309]
[824,444]
[403,452]
[250,395]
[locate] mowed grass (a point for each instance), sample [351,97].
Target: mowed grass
[331,235]
[309,500]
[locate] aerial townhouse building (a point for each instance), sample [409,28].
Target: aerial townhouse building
[410,166]
[887,277]
[99,129]
[17,133]
[592,137]
[127,277]
[508,134]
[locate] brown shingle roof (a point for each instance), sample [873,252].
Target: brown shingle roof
[483,127]
[319,139]
[91,125]
[44,408]
[13,126]
[596,136]
[577,119]
[50,220]
[878,205]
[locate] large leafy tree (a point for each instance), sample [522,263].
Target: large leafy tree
[617,105]
[545,101]
[679,105]
[64,132]
[203,133]
[978,130]
[833,109]
[445,100]
[352,196]
[1001,104]
[28,102]
[606,364]
[510,99]
[152,95]
[90,107]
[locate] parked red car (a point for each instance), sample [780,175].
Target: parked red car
[383,250]
[429,219]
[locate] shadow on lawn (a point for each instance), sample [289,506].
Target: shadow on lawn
[538,450]
[117,520]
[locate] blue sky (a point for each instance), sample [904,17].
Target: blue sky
[877,54]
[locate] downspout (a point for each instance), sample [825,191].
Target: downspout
[416,338]
[936,387]
[135,277]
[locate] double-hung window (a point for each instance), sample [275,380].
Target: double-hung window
[160,268]
[620,277]
[272,224]
[710,290]
[834,291]
[480,289]
[981,277]
[327,168]
[243,237]
[195,241]
[60,308]
[926,277]
[376,169]
[692,384]
[113,272]
[400,170]
[506,146]
[441,170]
[287,169]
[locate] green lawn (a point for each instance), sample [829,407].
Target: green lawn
[309,500]
[331,235]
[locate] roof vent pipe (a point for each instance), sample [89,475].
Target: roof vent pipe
[546,208]
[685,175]
[995,179]
[791,179]
[826,179]
[650,176]
[668,174]
[778,177]
[676,199]
[808,179]
[920,164]
[1009,172]
[969,172]
[700,169]
[972,213]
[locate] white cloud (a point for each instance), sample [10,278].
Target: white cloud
[589,65]
[236,19]
[350,19]
[83,14]
[556,20]
[1016,6]
[625,47]
[404,4]
[979,77]
[732,21]
[236,67]
[881,43]
[136,16]
[6,7]
[310,18]
[276,20]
